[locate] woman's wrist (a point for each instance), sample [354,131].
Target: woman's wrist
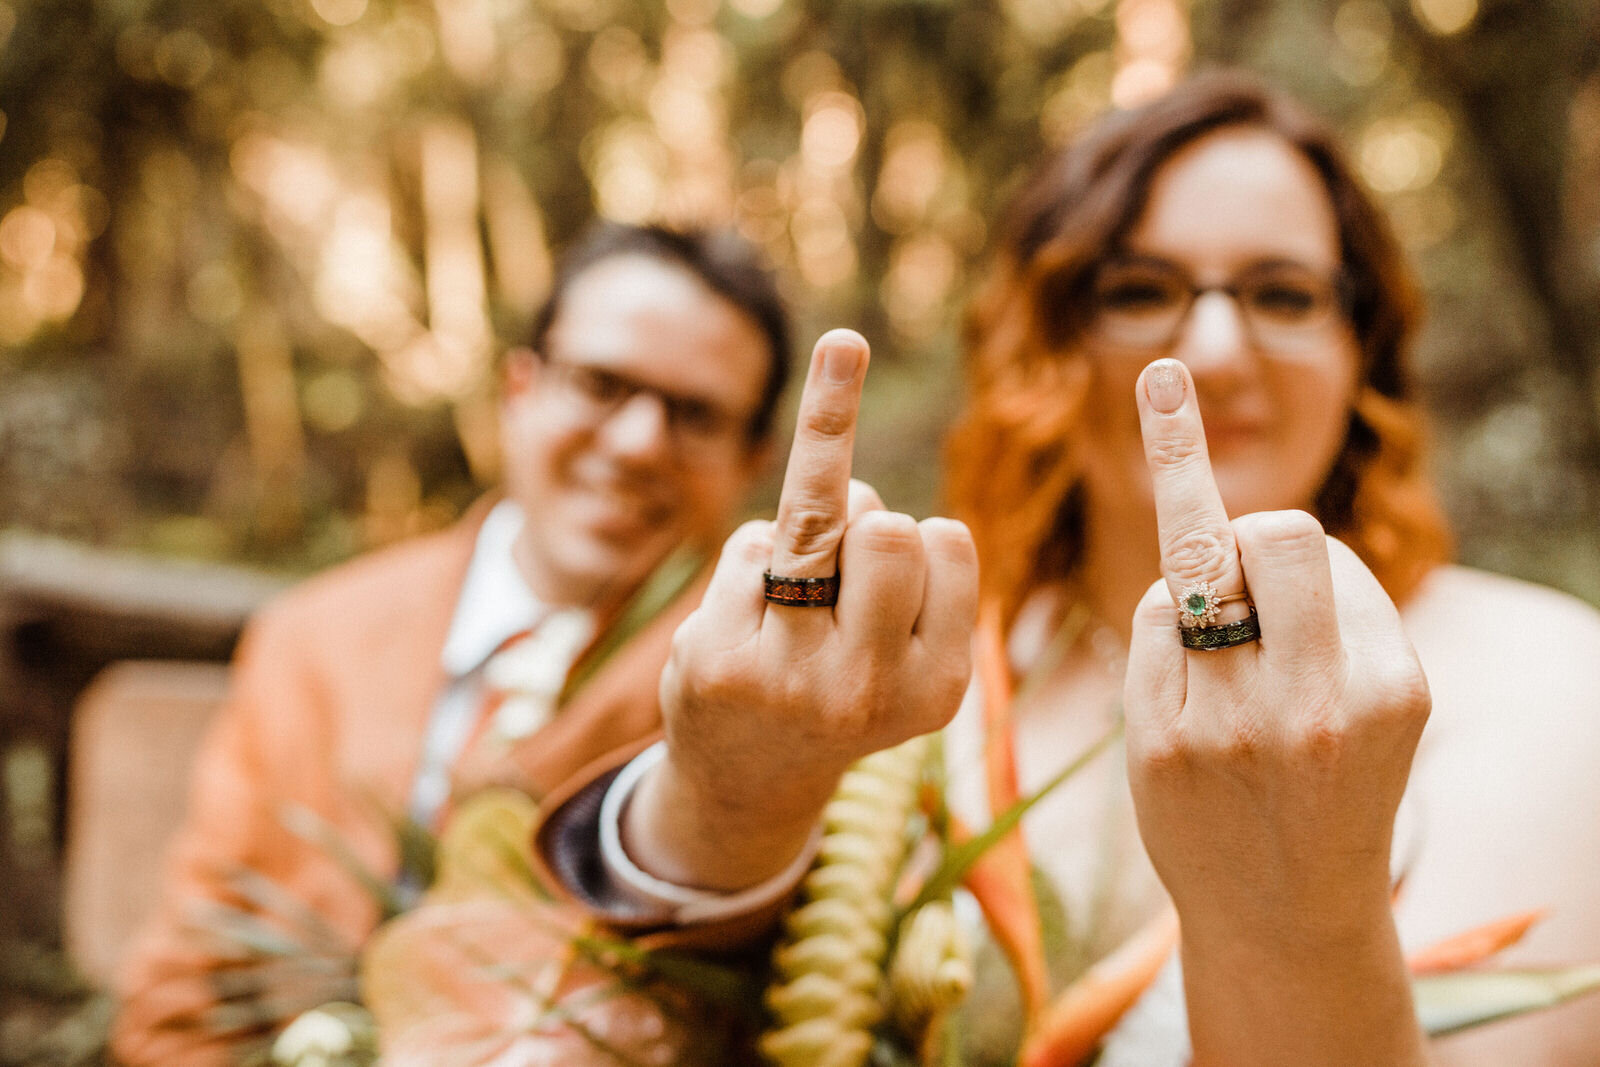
[1325,989]
[1344,908]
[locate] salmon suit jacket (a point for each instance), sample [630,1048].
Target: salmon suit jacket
[332,690]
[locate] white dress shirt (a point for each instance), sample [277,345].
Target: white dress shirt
[495,605]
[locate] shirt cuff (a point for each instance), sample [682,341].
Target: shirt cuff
[684,905]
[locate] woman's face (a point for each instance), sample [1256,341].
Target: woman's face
[1244,219]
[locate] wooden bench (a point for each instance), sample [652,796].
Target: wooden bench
[110,667]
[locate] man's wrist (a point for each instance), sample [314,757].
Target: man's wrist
[676,903]
[721,837]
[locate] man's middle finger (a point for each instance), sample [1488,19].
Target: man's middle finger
[813,506]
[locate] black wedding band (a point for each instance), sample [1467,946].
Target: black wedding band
[1229,634]
[800,592]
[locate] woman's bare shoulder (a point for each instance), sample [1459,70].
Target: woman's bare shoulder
[1504,633]
[1503,790]
[1489,601]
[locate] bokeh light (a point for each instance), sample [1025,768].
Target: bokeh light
[339,12]
[1152,49]
[1445,16]
[832,130]
[1405,152]
[1364,30]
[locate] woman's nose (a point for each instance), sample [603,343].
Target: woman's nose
[1216,338]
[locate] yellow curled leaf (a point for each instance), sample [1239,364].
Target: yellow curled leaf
[931,971]
[866,855]
[816,1043]
[838,917]
[828,953]
[486,849]
[841,882]
[808,996]
[837,914]
[865,817]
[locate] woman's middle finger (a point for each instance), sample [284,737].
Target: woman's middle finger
[1199,557]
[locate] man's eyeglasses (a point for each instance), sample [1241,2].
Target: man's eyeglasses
[692,422]
[1143,303]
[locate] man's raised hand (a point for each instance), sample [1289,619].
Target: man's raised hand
[766,704]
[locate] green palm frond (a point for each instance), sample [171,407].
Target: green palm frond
[960,858]
[1449,1003]
[664,585]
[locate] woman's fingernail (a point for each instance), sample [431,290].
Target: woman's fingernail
[840,361]
[1164,385]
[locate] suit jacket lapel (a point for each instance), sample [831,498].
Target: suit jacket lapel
[617,706]
[407,675]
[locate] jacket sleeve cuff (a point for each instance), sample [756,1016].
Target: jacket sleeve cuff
[676,904]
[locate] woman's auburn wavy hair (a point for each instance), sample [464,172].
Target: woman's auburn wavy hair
[1011,472]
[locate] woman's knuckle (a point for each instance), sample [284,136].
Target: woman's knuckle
[1242,744]
[1163,754]
[1285,528]
[1196,553]
[1174,452]
[1403,691]
[1155,606]
[1318,740]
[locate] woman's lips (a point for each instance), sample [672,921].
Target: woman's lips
[1223,434]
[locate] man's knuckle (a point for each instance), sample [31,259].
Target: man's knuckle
[811,528]
[685,637]
[721,678]
[947,688]
[827,424]
[885,531]
[753,539]
[939,528]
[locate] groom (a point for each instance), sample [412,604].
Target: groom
[514,648]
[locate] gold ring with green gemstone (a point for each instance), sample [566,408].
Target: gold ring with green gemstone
[1199,602]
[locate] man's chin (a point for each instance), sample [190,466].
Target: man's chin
[613,562]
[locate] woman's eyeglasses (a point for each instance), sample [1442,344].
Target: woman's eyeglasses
[1143,303]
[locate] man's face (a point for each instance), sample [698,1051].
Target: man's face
[630,433]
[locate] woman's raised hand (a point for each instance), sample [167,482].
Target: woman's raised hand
[1267,775]
[766,703]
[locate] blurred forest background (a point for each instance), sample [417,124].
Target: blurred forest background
[257,257]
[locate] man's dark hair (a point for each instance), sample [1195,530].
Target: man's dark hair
[725,262]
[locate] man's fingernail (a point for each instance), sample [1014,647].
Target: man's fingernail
[840,363]
[1164,385]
